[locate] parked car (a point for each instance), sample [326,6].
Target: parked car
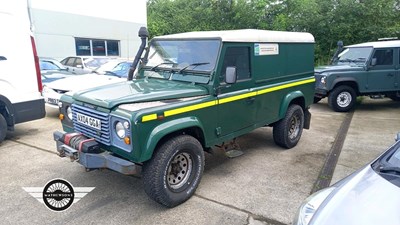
[52,91]
[108,66]
[20,80]
[367,69]
[369,196]
[52,70]
[181,102]
[120,70]
[83,64]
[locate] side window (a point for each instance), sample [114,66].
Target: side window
[383,57]
[70,61]
[238,57]
[78,62]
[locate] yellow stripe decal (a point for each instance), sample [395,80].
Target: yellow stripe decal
[189,108]
[149,117]
[237,97]
[280,87]
[225,100]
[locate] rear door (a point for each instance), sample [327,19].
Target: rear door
[19,78]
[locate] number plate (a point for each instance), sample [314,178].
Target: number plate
[88,121]
[52,101]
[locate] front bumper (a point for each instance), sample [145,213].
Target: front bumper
[91,161]
[320,93]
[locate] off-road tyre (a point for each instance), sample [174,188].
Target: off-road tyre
[342,98]
[3,128]
[172,175]
[287,131]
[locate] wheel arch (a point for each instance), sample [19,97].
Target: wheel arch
[296,97]
[351,82]
[163,132]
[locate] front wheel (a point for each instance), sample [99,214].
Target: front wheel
[342,98]
[287,132]
[173,174]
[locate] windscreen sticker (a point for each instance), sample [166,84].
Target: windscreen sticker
[266,49]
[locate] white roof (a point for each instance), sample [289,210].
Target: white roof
[378,44]
[248,35]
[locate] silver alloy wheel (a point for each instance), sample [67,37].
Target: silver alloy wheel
[344,99]
[179,170]
[294,127]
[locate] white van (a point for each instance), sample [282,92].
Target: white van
[20,79]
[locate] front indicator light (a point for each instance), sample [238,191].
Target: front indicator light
[61,116]
[127,140]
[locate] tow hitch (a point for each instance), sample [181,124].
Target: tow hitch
[88,153]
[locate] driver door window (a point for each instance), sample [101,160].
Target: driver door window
[383,57]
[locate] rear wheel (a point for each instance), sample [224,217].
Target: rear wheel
[173,174]
[3,128]
[342,98]
[287,132]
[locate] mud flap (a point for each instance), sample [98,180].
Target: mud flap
[307,119]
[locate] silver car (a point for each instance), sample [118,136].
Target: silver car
[83,64]
[370,196]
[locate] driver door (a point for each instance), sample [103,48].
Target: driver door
[382,75]
[236,108]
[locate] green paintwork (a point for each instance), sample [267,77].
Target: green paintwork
[367,79]
[142,90]
[220,111]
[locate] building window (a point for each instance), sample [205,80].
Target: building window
[96,47]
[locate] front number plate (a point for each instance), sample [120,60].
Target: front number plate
[88,121]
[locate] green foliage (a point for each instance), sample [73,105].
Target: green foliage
[352,21]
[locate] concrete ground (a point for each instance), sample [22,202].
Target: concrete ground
[266,185]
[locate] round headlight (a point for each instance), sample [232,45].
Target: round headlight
[69,112]
[120,130]
[323,80]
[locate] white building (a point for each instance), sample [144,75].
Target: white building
[90,27]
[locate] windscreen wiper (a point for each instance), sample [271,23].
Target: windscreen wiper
[389,169]
[194,66]
[164,63]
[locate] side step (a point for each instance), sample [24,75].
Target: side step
[231,149]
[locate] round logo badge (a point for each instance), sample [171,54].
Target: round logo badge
[58,195]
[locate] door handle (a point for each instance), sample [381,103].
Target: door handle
[250,100]
[390,75]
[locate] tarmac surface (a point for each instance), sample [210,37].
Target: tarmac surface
[265,185]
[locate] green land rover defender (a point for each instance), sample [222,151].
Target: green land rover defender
[366,69]
[192,91]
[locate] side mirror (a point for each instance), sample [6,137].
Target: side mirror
[397,137]
[230,75]
[373,62]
